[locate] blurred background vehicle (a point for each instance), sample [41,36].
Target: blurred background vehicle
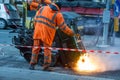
[9,16]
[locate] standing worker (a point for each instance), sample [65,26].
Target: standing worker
[36,4]
[46,21]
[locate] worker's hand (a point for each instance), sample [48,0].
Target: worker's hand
[77,35]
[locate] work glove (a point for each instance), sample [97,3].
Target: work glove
[77,35]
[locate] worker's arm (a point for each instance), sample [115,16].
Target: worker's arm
[34,5]
[62,25]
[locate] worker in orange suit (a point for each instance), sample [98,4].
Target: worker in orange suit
[46,20]
[36,4]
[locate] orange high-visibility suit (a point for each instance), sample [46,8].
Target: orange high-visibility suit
[35,4]
[47,19]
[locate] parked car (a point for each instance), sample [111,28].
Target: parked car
[8,15]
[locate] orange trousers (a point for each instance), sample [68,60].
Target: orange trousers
[36,51]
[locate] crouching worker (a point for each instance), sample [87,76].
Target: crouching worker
[45,22]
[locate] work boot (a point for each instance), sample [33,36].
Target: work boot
[32,67]
[47,69]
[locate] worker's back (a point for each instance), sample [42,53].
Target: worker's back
[45,23]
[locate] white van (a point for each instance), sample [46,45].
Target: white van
[8,15]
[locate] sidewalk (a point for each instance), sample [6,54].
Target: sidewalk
[112,46]
[23,74]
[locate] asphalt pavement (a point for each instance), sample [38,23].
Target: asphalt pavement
[14,67]
[24,74]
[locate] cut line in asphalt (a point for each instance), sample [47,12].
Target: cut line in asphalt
[24,74]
